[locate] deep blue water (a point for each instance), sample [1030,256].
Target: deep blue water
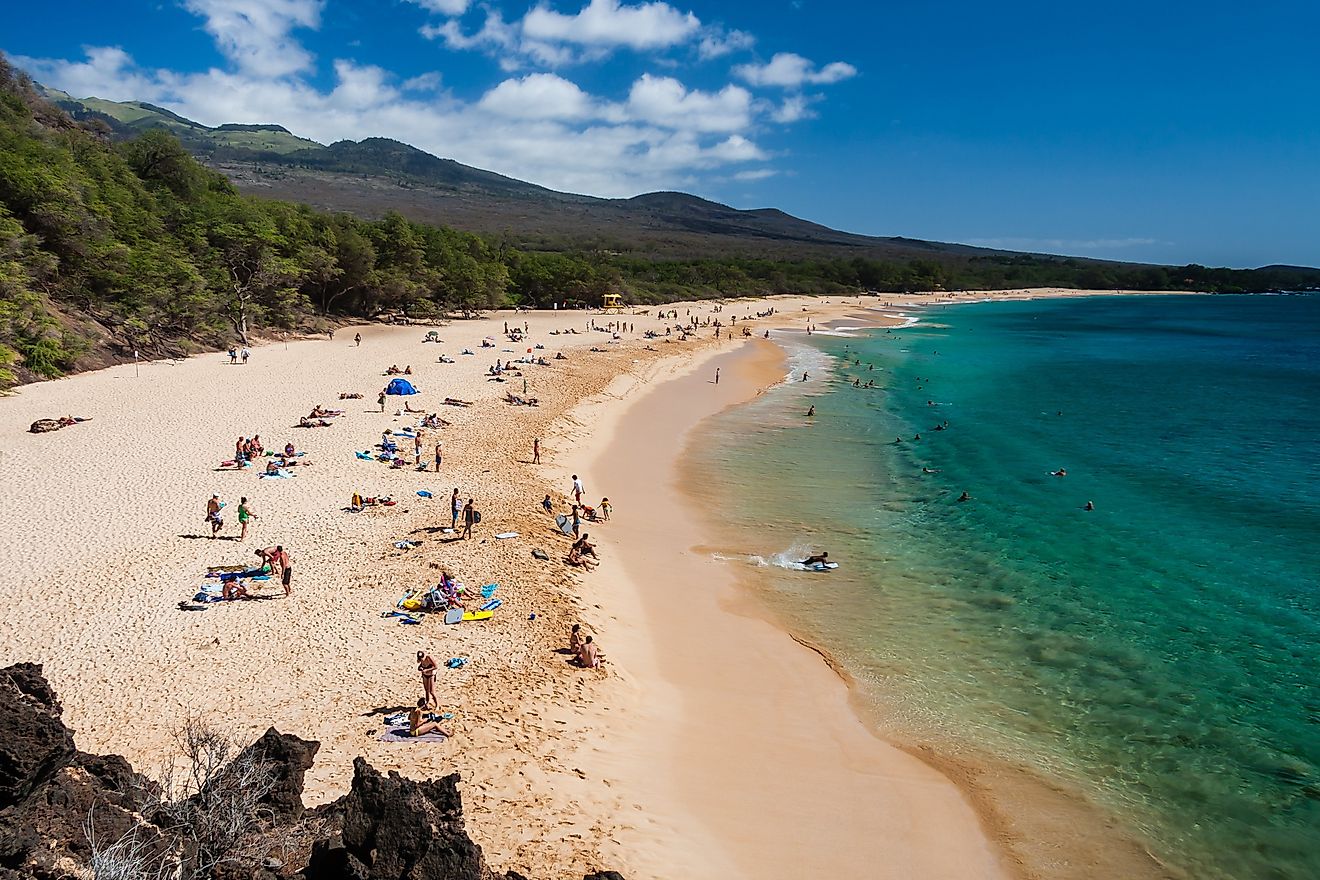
[1158,651]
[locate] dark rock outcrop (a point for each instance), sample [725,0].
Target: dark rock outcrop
[53,797]
[398,829]
[291,758]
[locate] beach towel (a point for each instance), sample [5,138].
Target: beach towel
[503,535]
[489,590]
[491,605]
[455,662]
[400,734]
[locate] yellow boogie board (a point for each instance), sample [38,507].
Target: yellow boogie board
[477,615]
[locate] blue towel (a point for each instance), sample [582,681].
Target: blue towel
[488,590]
[455,662]
[491,605]
[423,493]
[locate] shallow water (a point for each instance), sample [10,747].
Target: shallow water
[1158,651]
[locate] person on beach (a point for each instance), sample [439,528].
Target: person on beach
[469,519]
[233,355]
[585,547]
[547,504]
[605,509]
[575,639]
[427,666]
[536,450]
[213,514]
[589,655]
[817,559]
[357,339]
[233,590]
[438,449]
[455,507]
[811,411]
[578,489]
[278,560]
[246,354]
[419,727]
[417,450]
[244,514]
[1059,473]
[577,519]
[717,375]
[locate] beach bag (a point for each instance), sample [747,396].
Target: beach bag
[476,516]
[412,604]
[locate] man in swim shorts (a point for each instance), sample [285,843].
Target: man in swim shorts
[818,559]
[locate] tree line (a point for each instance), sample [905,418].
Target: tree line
[138,247]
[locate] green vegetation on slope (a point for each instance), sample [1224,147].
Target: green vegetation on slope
[110,248]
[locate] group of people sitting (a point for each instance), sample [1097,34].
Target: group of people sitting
[245,450]
[584,648]
[395,371]
[578,553]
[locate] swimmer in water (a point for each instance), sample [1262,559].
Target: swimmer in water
[1089,506]
[927,470]
[1059,473]
[964,497]
[811,411]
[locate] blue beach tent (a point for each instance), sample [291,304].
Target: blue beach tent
[400,386]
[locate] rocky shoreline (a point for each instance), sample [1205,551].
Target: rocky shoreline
[65,813]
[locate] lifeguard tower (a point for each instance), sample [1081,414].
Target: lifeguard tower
[613,303]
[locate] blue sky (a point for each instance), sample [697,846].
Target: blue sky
[1163,132]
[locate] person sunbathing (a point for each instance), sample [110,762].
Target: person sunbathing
[576,558]
[584,547]
[407,407]
[272,468]
[393,370]
[418,726]
[407,371]
[233,590]
[349,395]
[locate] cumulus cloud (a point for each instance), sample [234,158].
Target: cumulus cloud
[716,42]
[255,34]
[790,71]
[755,174]
[444,7]
[793,109]
[548,38]
[607,23]
[662,100]
[538,96]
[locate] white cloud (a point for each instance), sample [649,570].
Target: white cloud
[425,82]
[606,23]
[107,73]
[755,174]
[793,109]
[538,96]
[666,102]
[788,70]
[255,34]
[444,7]
[716,43]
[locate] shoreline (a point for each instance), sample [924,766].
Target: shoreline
[750,731]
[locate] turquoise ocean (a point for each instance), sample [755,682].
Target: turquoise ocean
[1158,653]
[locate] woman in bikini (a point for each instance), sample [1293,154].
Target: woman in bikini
[427,666]
[418,727]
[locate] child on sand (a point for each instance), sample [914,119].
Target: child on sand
[605,509]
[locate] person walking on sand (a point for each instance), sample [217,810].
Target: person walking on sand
[536,450]
[717,375]
[578,489]
[455,507]
[438,447]
[357,339]
[427,666]
[213,514]
[247,353]
[417,450]
[469,518]
[605,509]
[244,514]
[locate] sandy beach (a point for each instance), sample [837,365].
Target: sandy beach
[711,744]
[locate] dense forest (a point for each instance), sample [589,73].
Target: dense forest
[110,248]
